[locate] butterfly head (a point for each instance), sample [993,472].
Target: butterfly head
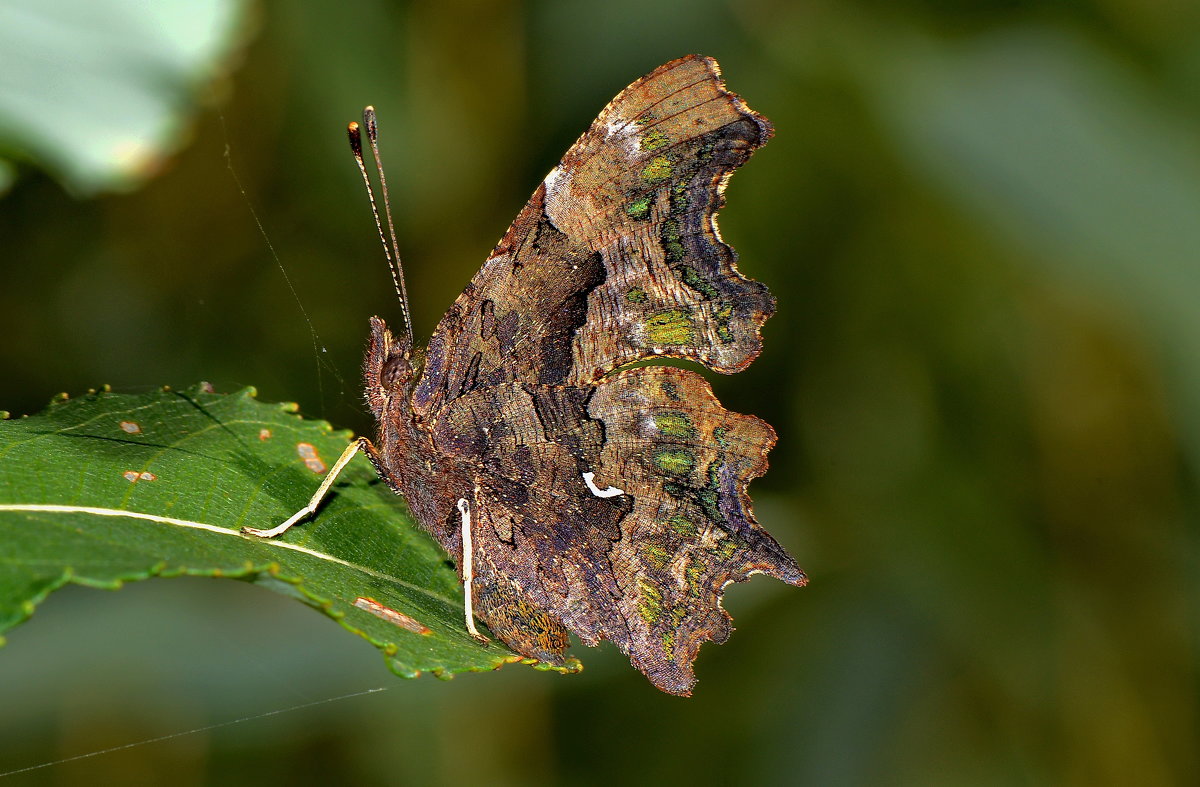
[388,367]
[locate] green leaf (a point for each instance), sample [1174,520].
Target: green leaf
[100,91]
[110,488]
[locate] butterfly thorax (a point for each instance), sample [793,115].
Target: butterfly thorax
[429,482]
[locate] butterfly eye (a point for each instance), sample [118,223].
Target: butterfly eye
[396,372]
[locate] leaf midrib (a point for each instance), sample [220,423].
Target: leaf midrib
[115,512]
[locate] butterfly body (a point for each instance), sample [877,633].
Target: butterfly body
[403,452]
[605,501]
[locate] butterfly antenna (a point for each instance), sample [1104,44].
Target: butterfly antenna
[392,253]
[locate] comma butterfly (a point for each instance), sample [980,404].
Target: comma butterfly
[576,492]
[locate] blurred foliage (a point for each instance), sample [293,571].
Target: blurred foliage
[97,90]
[980,222]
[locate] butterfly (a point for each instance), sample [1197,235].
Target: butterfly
[578,492]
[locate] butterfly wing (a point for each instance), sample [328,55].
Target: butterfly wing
[616,258]
[644,568]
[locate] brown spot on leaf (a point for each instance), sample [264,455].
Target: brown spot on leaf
[391,615]
[264,434]
[312,460]
[133,476]
[131,427]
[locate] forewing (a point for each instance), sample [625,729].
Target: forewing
[616,257]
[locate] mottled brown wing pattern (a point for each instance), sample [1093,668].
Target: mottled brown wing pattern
[644,185]
[686,463]
[617,256]
[517,318]
[644,569]
[611,505]
[539,534]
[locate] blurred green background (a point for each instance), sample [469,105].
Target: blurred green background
[982,224]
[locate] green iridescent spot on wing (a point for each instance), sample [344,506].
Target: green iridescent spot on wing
[654,139]
[675,424]
[678,613]
[694,577]
[681,525]
[675,461]
[724,549]
[679,198]
[672,241]
[722,316]
[672,327]
[656,555]
[658,168]
[650,605]
[640,209]
[691,278]
[709,495]
[706,497]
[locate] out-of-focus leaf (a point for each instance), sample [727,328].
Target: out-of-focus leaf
[97,91]
[112,488]
[1065,154]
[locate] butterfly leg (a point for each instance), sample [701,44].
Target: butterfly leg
[361,444]
[464,508]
